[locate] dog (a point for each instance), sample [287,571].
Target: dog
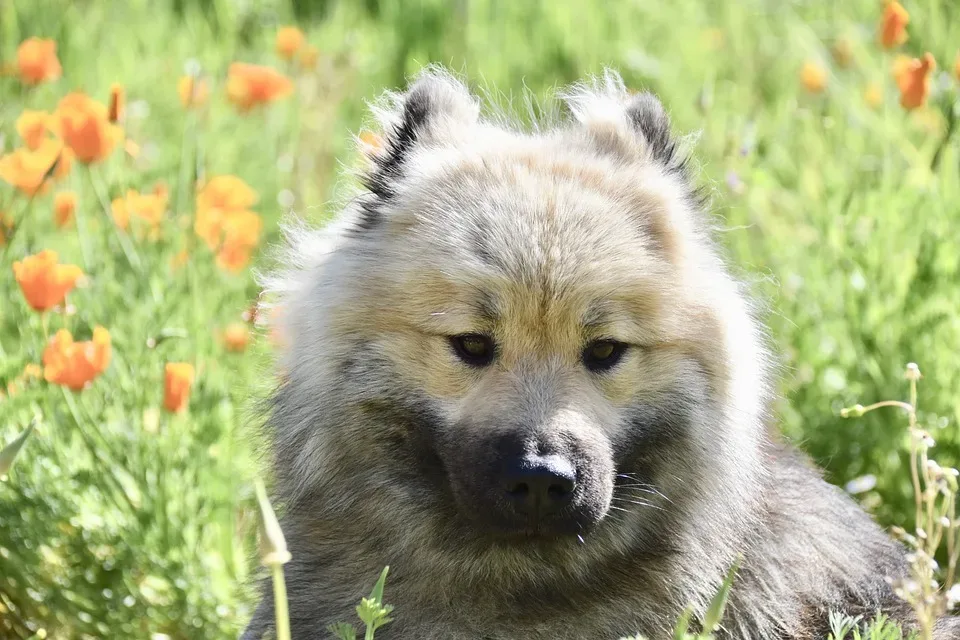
[518,370]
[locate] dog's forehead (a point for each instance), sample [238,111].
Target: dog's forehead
[536,205]
[532,234]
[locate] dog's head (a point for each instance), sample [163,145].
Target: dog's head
[528,333]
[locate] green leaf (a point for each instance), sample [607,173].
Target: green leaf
[10,451]
[377,594]
[683,623]
[343,631]
[711,619]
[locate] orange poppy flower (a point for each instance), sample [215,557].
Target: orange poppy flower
[236,336]
[32,127]
[64,206]
[193,91]
[242,228]
[149,207]
[226,192]
[233,257]
[117,102]
[37,61]
[120,213]
[249,85]
[177,381]
[28,170]
[813,77]
[85,127]
[914,81]
[289,41]
[232,234]
[309,56]
[956,67]
[893,25]
[44,282]
[75,364]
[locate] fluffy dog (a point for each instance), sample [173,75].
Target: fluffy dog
[518,372]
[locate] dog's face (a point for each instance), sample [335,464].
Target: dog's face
[549,301]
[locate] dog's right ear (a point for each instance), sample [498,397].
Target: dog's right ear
[435,111]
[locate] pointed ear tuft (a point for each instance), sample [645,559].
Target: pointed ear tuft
[649,119]
[436,110]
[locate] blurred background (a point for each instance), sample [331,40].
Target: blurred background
[152,146]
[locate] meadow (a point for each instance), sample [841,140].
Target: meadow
[153,147]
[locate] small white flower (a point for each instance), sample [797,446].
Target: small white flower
[953,595]
[861,484]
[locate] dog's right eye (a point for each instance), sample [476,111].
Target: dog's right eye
[475,349]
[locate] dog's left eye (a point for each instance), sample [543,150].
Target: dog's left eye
[603,354]
[474,349]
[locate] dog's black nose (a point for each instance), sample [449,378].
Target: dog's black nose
[539,485]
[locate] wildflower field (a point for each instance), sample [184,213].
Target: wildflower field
[148,151]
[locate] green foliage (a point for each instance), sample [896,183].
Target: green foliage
[119,520]
[373,613]
[844,627]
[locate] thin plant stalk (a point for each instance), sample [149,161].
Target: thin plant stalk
[280,602]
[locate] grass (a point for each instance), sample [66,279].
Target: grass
[120,518]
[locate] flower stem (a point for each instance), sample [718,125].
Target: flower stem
[128,249]
[280,602]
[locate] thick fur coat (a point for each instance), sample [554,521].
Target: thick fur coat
[548,249]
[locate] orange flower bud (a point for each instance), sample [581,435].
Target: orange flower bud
[64,206]
[813,77]
[117,103]
[193,91]
[914,81]
[75,364]
[893,25]
[873,95]
[44,282]
[843,52]
[121,216]
[37,61]
[289,41]
[236,336]
[309,57]
[177,382]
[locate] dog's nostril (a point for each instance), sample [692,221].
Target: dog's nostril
[539,484]
[560,490]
